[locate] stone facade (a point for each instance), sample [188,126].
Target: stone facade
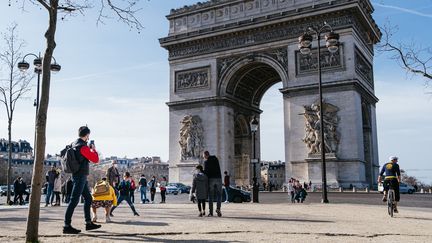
[224,55]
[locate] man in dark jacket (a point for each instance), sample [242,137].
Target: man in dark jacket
[84,154]
[113,174]
[50,177]
[213,172]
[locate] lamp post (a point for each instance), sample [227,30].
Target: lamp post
[37,62]
[255,190]
[332,44]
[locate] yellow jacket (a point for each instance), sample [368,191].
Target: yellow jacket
[111,197]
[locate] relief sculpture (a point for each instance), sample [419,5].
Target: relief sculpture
[312,137]
[191,138]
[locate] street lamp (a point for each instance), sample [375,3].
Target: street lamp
[255,190]
[332,44]
[37,62]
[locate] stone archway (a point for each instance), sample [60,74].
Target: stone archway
[224,55]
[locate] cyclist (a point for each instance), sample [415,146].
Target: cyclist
[392,178]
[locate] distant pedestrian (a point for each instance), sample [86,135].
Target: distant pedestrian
[19,189]
[291,191]
[104,196]
[301,194]
[57,189]
[132,188]
[69,186]
[226,185]
[143,188]
[213,172]
[84,155]
[152,184]
[162,187]
[124,189]
[50,177]
[113,174]
[200,189]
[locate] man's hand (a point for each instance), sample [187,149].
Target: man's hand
[379,179]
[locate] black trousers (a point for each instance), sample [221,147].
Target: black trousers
[394,184]
[201,204]
[152,194]
[163,195]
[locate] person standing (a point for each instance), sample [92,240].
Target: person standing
[226,185]
[132,190]
[113,174]
[213,172]
[57,189]
[143,188]
[124,189]
[162,187]
[152,184]
[84,154]
[50,176]
[18,191]
[291,191]
[69,186]
[200,188]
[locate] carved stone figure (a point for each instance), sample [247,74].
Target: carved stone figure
[312,136]
[191,138]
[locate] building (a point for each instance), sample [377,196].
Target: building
[20,149]
[273,173]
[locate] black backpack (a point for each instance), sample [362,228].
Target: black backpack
[69,160]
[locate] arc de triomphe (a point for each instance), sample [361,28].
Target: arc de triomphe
[225,54]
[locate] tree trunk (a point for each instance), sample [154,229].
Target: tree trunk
[41,120]
[9,170]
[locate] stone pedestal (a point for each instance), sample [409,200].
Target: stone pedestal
[183,171]
[314,167]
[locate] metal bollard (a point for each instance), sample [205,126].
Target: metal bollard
[340,189]
[354,189]
[422,191]
[367,189]
[430,190]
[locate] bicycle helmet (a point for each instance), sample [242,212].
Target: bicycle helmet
[393,158]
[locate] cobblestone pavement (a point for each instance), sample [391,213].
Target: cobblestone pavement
[177,221]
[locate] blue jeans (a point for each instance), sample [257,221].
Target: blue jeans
[50,190]
[80,188]
[143,191]
[215,190]
[128,200]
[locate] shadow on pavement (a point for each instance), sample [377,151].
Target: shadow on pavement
[140,223]
[23,219]
[416,218]
[281,219]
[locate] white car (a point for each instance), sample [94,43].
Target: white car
[403,188]
[169,190]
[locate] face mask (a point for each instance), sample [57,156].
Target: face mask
[197,171]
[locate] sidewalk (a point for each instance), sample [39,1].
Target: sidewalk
[240,223]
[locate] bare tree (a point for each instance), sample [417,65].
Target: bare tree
[13,87]
[413,58]
[125,11]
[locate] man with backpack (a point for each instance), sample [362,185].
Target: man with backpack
[143,188]
[124,189]
[78,157]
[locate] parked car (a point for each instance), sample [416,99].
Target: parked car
[403,188]
[182,187]
[236,195]
[3,190]
[169,190]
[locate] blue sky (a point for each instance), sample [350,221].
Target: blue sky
[116,81]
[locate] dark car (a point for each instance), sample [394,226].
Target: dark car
[182,187]
[236,195]
[3,190]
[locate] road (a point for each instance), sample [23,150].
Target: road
[407,200]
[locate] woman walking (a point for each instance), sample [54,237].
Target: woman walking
[124,188]
[200,188]
[57,189]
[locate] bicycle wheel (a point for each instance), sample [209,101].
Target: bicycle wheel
[390,202]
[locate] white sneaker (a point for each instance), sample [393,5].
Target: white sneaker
[108,219]
[226,202]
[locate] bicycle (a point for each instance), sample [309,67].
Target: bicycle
[390,201]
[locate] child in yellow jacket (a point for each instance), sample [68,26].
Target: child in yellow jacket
[105,201]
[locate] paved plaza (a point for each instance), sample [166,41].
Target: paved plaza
[273,220]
